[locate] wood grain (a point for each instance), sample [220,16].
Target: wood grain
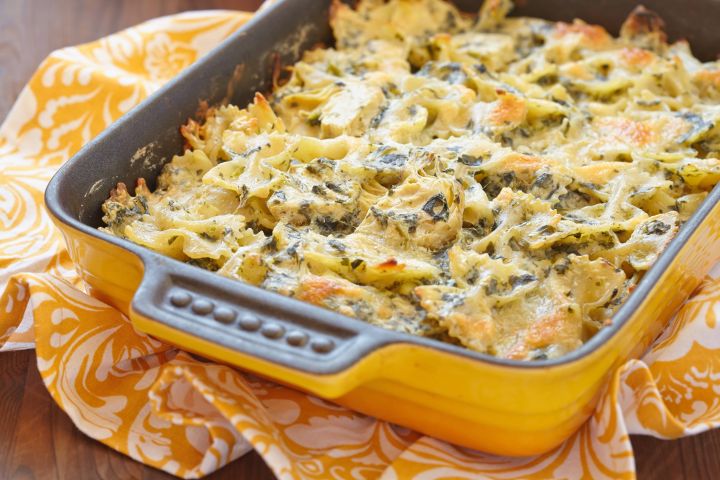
[37,439]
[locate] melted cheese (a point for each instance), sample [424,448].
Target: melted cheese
[499,183]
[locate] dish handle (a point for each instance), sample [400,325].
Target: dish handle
[256,329]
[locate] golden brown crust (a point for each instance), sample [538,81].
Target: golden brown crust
[510,110]
[645,26]
[119,193]
[593,36]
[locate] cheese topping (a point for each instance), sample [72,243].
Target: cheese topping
[499,183]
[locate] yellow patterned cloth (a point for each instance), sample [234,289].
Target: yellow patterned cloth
[167,409]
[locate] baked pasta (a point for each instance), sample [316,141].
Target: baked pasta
[499,183]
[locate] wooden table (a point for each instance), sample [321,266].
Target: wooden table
[37,440]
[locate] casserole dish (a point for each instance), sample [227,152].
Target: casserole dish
[500,406]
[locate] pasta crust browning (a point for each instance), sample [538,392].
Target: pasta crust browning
[499,183]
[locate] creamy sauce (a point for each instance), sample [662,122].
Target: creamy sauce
[499,183]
